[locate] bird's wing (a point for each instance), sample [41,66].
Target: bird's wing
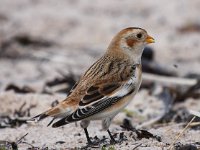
[98,92]
[101,96]
[89,110]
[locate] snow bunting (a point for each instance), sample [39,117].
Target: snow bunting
[107,86]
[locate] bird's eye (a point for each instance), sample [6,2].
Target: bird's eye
[139,35]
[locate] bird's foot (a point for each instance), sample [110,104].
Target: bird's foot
[113,139]
[121,138]
[94,142]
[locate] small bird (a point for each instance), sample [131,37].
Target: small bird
[107,86]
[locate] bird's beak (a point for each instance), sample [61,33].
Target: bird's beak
[149,39]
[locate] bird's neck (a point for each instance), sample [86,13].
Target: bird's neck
[133,56]
[121,50]
[136,58]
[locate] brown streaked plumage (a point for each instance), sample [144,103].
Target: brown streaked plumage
[107,86]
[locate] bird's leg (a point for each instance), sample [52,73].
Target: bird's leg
[90,143]
[84,124]
[87,136]
[111,137]
[105,125]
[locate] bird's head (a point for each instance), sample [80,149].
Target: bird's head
[131,41]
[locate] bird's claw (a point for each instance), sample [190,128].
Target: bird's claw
[94,143]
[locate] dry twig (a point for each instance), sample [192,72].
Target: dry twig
[181,133]
[169,80]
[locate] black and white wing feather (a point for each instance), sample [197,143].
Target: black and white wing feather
[96,105]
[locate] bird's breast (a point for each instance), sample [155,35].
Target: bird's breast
[127,92]
[138,75]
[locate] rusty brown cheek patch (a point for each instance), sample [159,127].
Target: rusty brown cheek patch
[130,42]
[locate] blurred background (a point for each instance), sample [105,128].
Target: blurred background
[45,45]
[38,38]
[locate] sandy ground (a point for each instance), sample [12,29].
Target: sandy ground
[42,136]
[72,34]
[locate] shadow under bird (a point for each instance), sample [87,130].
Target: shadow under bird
[107,86]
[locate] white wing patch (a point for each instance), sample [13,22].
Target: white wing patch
[126,88]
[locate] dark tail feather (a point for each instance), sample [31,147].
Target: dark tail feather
[61,122]
[51,122]
[38,118]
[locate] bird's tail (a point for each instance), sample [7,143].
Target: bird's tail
[61,110]
[42,116]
